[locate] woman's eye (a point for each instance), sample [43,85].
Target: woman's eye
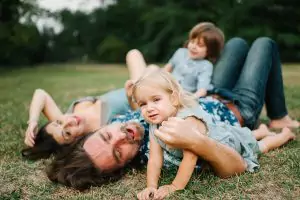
[59,122]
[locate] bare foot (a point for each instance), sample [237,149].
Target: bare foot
[284,122]
[290,135]
[262,132]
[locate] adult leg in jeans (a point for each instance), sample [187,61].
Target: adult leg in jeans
[275,98]
[228,67]
[261,72]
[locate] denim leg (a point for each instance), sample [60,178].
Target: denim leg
[228,67]
[252,83]
[275,99]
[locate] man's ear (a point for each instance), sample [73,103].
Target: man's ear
[175,99]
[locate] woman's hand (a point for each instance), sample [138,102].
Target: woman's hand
[128,87]
[164,191]
[30,134]
[179,133]
[147,193]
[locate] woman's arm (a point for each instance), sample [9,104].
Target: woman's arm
[41,102]
[224,160]
[128,88]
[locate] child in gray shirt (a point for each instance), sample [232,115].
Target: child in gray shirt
[192,66]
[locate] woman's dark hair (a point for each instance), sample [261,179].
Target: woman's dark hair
[73,167]
[44,146]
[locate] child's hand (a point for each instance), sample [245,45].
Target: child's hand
[164,191]
[200,93]
[31,133]
[128,87]
[147,193]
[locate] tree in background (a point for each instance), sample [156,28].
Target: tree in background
[156,27]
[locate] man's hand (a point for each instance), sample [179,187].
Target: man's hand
[179,133]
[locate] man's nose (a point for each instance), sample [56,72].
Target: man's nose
[119,137]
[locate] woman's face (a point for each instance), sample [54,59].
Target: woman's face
[67,129]
[114,145]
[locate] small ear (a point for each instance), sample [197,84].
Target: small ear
[175,99]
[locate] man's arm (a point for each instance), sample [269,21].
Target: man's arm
[224,160]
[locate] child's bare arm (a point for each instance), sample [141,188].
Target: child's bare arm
[183,176]
[168,67]
[154,166]
[155,163]
[185,170]
[201,93]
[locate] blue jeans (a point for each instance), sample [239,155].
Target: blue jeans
[251,77]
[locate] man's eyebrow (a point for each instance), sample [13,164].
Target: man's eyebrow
[115,156]
[102,137]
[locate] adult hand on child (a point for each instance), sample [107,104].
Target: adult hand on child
[164,191]
[30,134]
[178,133]
[147,193]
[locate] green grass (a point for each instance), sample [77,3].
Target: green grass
[278,178]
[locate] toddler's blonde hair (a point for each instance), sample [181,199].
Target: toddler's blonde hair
[164,80]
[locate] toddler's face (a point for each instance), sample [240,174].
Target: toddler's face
[197,49]
[156,104]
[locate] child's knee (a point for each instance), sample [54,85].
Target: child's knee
[153,67]
[133,53]
[262,147]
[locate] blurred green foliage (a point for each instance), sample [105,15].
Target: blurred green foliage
[156,27]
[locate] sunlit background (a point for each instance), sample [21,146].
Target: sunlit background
[102,31]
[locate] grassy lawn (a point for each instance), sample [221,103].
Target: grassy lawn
[278,178]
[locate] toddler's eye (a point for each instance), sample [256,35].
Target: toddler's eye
[156,99]
[59,122]
[68,133]
[142,104]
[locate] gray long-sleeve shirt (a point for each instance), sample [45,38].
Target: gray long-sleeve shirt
[191,74]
